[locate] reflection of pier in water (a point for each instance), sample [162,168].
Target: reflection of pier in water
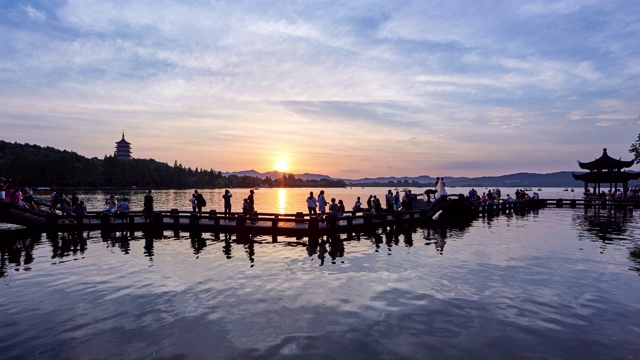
[610,227]
[70,246]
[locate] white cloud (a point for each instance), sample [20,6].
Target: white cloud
[34,14]
[445,75]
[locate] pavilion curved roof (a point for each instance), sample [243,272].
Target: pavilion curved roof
[607,177]
[605,162]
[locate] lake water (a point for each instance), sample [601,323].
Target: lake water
[551,284]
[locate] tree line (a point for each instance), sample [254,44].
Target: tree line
[34,165]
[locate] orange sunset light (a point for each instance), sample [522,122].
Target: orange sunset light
[281,165]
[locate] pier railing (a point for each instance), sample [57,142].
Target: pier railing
[288,224]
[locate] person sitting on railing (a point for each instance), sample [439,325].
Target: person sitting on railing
[16,197]
[334,209]
[123,209]
[246,207]
[357,207]
[81,210]
[377,207]
[111,205]
[28,199]
[341,209]
[55,200]
[490,197]
[510,199]
[65,206]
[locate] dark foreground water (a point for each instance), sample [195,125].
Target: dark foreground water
[558,284]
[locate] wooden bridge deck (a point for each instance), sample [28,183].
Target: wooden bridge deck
[294,225]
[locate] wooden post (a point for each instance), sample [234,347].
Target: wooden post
[105,218]
[349,224]
[368,219]
[240,223]
[399,217]
[158,218]
[559,203]
[194,219]
[175,216]
[212,214]
[314,226]
[572,203]
[274,223]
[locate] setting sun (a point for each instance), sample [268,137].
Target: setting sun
[281,165]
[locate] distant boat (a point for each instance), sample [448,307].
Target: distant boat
[539,189]
[42,191]
[527,189]
[565,189]
[572,190]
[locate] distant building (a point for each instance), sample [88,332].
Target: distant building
[606,170]
[123,149]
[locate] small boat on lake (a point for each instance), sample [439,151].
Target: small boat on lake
[42,191]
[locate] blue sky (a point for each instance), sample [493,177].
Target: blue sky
[349,89]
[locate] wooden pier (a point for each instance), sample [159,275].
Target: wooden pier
[292,225]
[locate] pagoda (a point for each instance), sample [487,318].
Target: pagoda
[606,169]
[123,149]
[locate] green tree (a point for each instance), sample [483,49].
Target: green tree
[635,150]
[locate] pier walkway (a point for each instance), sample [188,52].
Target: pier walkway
[293,225]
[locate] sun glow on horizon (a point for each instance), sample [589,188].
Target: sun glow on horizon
[282,165]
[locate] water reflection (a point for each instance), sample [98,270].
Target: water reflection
[610,227]
[74,244]
[498,293]
[604,225]
[282,200]
[18,252]
[198,243]
[67,244]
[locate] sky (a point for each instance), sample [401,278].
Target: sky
[349,89]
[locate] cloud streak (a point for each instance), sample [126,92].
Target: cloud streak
[379,88]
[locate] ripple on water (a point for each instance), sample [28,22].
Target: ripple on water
[551,285]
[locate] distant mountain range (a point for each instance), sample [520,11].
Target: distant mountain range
[556,179]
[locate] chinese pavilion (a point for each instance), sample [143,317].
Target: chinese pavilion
[123,149]
[606,169]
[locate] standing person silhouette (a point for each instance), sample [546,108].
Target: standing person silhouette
[442,191]
[148,205]
[312,203]
[227,203]
[322,203]
[251,202]
[200,201]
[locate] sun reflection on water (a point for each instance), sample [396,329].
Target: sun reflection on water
[282,200]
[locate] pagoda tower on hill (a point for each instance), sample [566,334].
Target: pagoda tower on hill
[123,149]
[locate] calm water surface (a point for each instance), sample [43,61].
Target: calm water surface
[556,284]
